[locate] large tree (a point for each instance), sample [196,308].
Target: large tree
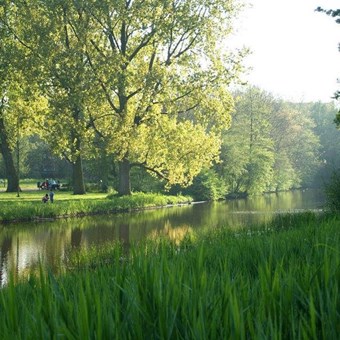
[19,100]
[164,72]
[149,77]
[247,152]
[5,82]
[271,145]
[296,146]
[54,37]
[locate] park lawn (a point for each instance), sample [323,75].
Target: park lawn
[29,207]
[30,193]
[34,195]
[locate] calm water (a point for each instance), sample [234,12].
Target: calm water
[22,245]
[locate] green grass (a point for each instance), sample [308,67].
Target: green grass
[29,206]
[278,281]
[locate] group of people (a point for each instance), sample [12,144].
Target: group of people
[49,184]
[48,197]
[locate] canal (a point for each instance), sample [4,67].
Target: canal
[23,245]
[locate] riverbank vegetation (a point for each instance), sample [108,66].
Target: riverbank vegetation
[29,206]
[280,280]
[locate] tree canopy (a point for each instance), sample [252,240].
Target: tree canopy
[148,78]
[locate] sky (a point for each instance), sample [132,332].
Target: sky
[294,49]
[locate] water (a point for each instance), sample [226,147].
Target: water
[22,246]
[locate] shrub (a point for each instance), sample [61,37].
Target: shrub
[207,186]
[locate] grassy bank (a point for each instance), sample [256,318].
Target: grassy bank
[29,206]
[279,281]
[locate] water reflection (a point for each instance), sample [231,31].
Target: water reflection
[6,246]
[24,245]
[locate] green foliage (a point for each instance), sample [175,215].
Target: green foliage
[145,78]
[147,83]
[277,281]
[248,147]
[99,187]
[143,181]
[332,190]
[333,13]
[271,146]
[42,163]
[142,200]
[337,118]
[329,137]
[33,209]
[302,143]
[207,186]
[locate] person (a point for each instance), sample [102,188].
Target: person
[45,198]
[51,196]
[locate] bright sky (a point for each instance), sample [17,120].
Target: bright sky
[295,49]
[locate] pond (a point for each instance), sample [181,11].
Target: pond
[22,246]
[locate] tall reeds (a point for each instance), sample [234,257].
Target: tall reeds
[278,281]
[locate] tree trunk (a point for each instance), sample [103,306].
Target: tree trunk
[124,178]
[11,171]
[104,171]
[78,177]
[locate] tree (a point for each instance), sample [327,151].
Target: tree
[271,145]
[164,78]
[7,152]
[247,151]
[5,72]
[19,101]
[296,146]
[17,107]
[42,163]
[335,14]
[148,77]
[322,114]
[54,37]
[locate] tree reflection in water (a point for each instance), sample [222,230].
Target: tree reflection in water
[52,241]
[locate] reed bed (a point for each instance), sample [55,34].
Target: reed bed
[276,281]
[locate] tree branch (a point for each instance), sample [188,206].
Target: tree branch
[157,172]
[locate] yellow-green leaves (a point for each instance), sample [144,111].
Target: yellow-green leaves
[175,150]
[145,77]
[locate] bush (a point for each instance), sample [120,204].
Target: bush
[99,187]
[142,181]
[207,186]
[142,200]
